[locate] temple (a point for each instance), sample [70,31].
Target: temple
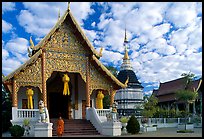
[166,94]
[63,60]
[130,99]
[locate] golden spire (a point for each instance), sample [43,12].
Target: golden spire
[59,14]
[125,40]
[125,44]
[126,56]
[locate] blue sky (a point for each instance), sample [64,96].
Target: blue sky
[165,38]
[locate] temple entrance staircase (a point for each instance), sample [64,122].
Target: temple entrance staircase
[75,127]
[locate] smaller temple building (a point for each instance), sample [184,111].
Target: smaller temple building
[167,91]
[130,99]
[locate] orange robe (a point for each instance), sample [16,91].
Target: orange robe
[60,127]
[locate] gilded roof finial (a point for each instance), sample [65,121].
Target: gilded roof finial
[68,6]
[100,53]
[31,43]
[126,56]
[59,14]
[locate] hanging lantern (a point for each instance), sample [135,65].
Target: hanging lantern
[66,79]
[30,94]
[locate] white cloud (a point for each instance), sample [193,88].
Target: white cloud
[111,57]
[35,25]
[170,67]
[5,54]
[9,65]
[160,46]
[93,24]
[21,57]
[149,56]
[6,27]
[177,15]
[91,34]
[39,17]
[157,31]
[17,45]
[105,19]
[8,6]
[81,10]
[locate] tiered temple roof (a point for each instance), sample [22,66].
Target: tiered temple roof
[167,90]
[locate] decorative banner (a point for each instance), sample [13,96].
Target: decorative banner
[66,79]
[30,94]
[99,100]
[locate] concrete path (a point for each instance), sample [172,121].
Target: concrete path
[161,132]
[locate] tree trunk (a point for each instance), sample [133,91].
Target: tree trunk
[186,114]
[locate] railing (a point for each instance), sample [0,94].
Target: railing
[168,122]
[19,115]
[102,112]
[95,119]
[107,128]
[27,113]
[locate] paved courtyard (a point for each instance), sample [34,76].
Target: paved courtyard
[161,132]
[168,132]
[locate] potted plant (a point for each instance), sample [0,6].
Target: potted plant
[124,121]
[26,126]
[16,131]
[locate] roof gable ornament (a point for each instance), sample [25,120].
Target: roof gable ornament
[59,14]
[100,52]
[30,47]
[68,8]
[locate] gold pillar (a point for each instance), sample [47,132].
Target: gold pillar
[14,95]
[87,83]
[112,95]
[44,91]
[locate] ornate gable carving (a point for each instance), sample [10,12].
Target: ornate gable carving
[98,81]
[64,40]
[31,74]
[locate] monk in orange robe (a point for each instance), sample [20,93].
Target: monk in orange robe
[60,126]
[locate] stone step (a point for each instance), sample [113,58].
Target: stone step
[75,127]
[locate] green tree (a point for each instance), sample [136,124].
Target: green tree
[113,70]
[106,102]
[133,125]
[187,96]
[6,109]
[150,107]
